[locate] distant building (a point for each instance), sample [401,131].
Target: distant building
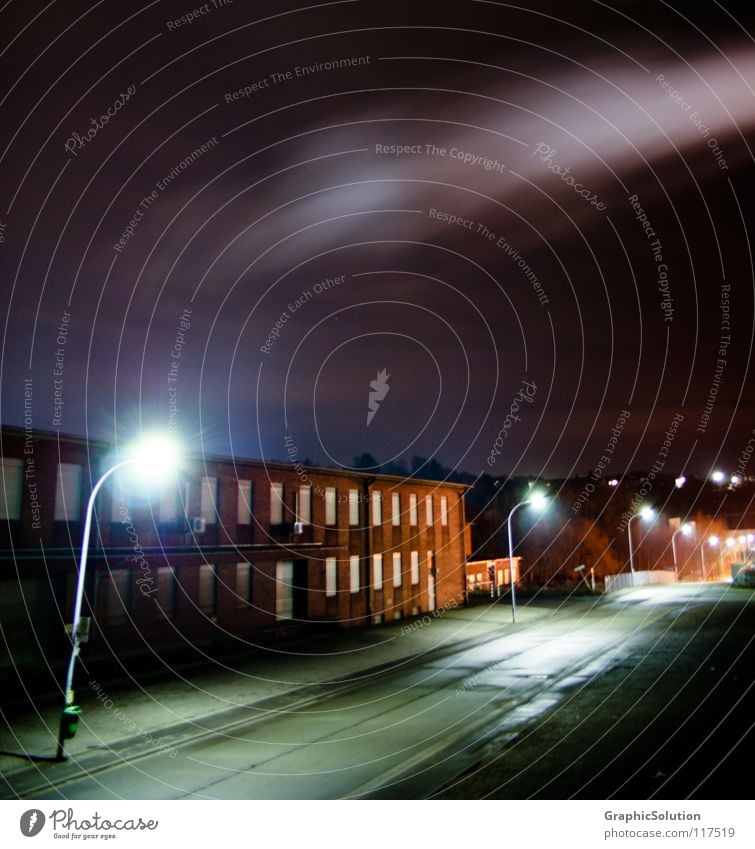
[234,547]
[481,574]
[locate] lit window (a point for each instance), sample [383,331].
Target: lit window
[243,584]
[429,509]
[353,507]
[331,571]
[444,510]
[377,571]
[396,569]
[330,505]
[354,573]
[304,505]
[168,510]
[12,488]
[208,510]
[68,493]
[413,517]
[395,509]
[244,510]
[414,564]
[377,508]
[208,588]
[276,503]
[284,590]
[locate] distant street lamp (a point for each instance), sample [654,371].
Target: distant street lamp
[646,513]
[712,542]
[538,502]
[152,458]
[685,529]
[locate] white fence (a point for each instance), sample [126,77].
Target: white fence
[639,579]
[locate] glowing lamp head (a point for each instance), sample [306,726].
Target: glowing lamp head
[686,529]
[713,541]
[647,513]
[742,540]
[613,482]
[731,542]
[736,480]
[717,477]
[680,481]
[154,457]
[538,501]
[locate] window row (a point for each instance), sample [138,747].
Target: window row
[175,500]
[377,509]
[166,589]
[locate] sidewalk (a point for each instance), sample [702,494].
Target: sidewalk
[132,717]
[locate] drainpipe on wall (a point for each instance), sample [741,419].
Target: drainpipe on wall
[367,548]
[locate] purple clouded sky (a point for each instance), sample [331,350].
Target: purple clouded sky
[454,195]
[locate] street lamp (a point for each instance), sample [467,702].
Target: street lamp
[539,502]
[685,529]
[152,458]
[646,513]
[712,542]
[717,476]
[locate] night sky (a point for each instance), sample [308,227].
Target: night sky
[531,217]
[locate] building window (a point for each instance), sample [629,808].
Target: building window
[208,509]
[208,588]
[395,509]
[396,568]
[331,576]
[168,510]
[243,584]
[444,510]
[166,590]
[12,488]
[68,493]
[377,508]
[304,505]
[284,589]
[276,503]
[330,505]
[354,573]
[377,571]
[414,566]
[118,597]
[429,509]
[413,518]
[244,509]
[353,507]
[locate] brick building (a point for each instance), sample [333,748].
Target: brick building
[230,547]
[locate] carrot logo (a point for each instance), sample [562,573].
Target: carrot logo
[32,822]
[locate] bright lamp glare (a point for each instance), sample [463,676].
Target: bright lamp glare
[687,529]
[736,480]
[538,501]
[647,513]
[742,540]
[731,542]
[155,456]
[680,481]
[717,476]
[713,541]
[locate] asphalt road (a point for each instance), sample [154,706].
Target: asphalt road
[647,693]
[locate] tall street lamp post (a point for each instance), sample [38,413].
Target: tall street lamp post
[646,513]
[685,529]
[153,457]
[538,502]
